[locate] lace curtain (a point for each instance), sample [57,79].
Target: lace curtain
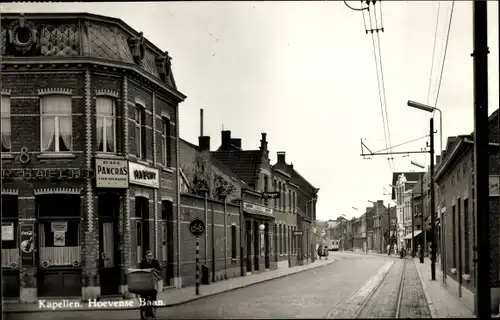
[105,124]
[56,111]
[5,111]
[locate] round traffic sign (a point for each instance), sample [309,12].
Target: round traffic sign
[197,227]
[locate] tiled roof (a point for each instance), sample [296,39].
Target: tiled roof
[243,163]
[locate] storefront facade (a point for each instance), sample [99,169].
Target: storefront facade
[89,157]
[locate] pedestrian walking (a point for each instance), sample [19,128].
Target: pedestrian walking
[420,253]
[320,248]
[388,249]
[325,252]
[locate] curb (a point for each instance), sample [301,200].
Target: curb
[175,303]
[430,304]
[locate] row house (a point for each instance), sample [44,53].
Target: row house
[455,180]
[89,156]
[421,212]
[402,183]
[380,224]
[357,240]
[304,197]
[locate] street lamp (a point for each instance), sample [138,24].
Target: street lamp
[427,108]
[433,200]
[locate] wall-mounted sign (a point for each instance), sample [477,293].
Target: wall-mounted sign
[59,226]
[143,175]
[111,173]
[270,195]
[27,244]
[494,186]
[7,231]
[298,233]
[257,209]
[46,174]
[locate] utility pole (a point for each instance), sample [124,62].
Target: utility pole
[481,159]
[433,206]
[422,210]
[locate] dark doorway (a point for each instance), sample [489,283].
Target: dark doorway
[249,245]
[108,207]
[266,241]
[143,239]
[167,249]
[256,248]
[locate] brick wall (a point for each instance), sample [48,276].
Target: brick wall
[225,266]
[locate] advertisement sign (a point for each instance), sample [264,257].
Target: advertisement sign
[7,231]
[59,226]
[271,195]
[494,186]
[59,238]
[111,173]
[27,244]
[143,175]
[45,174]
[257,209]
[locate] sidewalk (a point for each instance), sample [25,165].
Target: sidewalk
[173,297]
[442,303]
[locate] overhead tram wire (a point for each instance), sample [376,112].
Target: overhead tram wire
[382,75]
[379,88]
[432,64]
[404,143]
[444,58]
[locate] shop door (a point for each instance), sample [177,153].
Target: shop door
[109,254]
[266,245]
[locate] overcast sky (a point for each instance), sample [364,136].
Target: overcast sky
[304,73]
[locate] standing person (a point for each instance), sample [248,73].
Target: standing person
[320,253]
[149,263]
[326,252]
[388,249]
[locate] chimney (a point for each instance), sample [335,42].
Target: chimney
[290,165]
[201,122]
[281,156]
[263,142]
[236,142]
[226,139]
[204,143]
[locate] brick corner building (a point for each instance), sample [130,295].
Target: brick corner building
[89,156]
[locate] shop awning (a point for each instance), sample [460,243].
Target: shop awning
[415,233]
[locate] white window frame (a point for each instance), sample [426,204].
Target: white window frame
[104,119]
[9,118]
[138,125]
[56,125]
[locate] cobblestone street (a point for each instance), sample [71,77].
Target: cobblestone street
[309,294]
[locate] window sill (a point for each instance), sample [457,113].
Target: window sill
[167,169]
[104,155]
[57,155]
[234,260]
[466,277]
[142,161]
[7,156]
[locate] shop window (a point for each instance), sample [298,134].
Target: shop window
[59,242]
[166,145]
[140,131]
[142,211]
[106,124]
[234,249]
[56,123]
[6,130]
[139,241]
[10,250]
[59,230]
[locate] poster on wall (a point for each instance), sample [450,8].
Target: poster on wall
[59,238]
[7,231]
[494,186]
[27,244]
